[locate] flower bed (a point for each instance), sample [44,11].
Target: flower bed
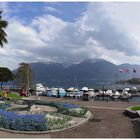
[40,122]
[66,108]
[57,121]
[5,105]
[11,120]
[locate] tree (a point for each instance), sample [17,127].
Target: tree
[3,25]
[5,75]
[24,76]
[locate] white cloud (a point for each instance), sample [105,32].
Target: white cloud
[48,38]
[51,9]
[48,27]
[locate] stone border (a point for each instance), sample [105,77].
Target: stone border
[90,116]
[131,113]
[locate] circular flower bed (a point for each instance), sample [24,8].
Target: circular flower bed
[63,118]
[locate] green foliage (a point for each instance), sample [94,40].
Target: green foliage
[5,105]
[5,75]
[73,112]
[3,25]
[135,108]
[24,76]
[12,95]
[43,102]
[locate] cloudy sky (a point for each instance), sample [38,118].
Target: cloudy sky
[71,32]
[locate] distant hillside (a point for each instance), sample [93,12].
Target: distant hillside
[88,72]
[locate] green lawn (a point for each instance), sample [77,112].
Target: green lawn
[12,95]
[135,108]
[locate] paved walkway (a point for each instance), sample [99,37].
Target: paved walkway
[108,122]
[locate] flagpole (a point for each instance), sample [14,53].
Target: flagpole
[116,80]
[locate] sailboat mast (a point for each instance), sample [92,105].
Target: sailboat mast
[76,82]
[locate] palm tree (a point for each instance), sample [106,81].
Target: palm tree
[3,25]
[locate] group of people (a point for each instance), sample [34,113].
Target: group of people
[23,91]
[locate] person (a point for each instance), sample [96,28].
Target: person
[23,91]
[5,94]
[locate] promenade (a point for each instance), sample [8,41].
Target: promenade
[108,122]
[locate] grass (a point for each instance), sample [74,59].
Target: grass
[11,95]
[135,108]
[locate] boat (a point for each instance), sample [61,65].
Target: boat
[62,92]
[109,92]
[40,89]
[134,90]
[71,89]
[54,92]
[75,90]
[90,89]
[116,95]
[84,89]
[91,94]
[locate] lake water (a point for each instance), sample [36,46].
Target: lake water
[135,99]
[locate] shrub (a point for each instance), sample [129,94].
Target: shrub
[77,112]
[68,105]
[57,104]
[4,106]
[11,95]
[41,102]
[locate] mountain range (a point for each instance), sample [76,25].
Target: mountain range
[86,73]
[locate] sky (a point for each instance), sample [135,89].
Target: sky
[70,32]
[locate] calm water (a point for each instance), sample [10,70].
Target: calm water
[135,99]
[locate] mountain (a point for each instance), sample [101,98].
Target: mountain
[88,72]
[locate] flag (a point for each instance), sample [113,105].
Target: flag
[134,70]
[120,70]
[127,70]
